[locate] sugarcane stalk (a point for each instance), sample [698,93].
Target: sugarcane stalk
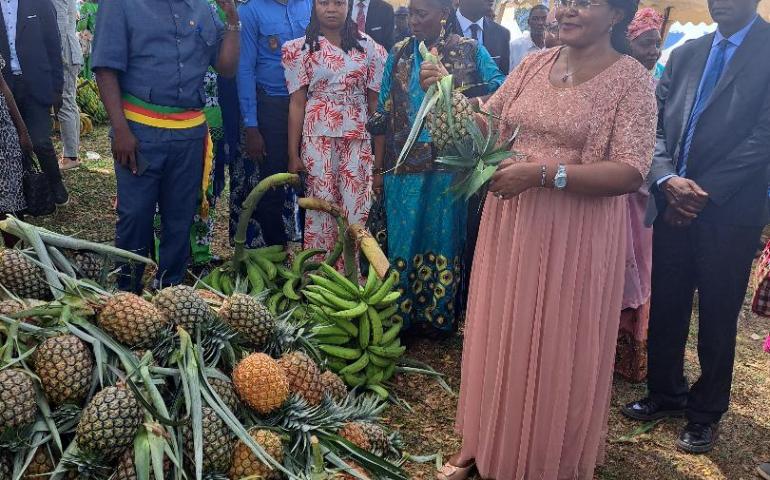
[248,207]
[370,248]
[14,226]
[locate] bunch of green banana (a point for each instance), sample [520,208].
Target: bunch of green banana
[353,326]
[89,102]
[258,272]
[289,279]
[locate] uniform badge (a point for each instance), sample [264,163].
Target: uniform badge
[273,42]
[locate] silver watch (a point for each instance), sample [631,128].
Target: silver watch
[560,179]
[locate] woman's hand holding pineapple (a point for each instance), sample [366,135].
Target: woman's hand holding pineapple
[431,73]
[513,178]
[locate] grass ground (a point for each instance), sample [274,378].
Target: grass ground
[632,454]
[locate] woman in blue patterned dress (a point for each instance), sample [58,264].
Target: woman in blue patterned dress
[426,222]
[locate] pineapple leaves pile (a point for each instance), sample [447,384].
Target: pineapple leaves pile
[198,381]
[460,143]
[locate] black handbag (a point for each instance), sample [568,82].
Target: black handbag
[37,189]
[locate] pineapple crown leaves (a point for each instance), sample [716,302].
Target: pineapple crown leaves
[378,466]
[196,389]
[87,464]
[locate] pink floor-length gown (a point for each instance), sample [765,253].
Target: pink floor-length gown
[548,278]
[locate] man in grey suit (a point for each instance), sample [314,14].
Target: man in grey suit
[709,205]
[72,55]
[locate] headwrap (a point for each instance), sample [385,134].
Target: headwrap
[646,19]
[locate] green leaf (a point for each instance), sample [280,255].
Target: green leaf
[157,447]
[428,102]
[455,161]
[142,455]
[494,159]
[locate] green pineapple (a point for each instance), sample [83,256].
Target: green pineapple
[218,442]
[22,277]
[109,422]
[18,406]
[249,318]
[181,305]
[65,368]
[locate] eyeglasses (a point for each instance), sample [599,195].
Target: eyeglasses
[579,4]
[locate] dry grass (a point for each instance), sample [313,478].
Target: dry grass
[745,439]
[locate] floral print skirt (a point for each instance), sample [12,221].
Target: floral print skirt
[426,239]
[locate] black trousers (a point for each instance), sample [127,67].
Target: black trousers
[37,117]
[475,208]
[716,261]
[273,117]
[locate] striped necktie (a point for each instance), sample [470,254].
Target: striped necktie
[710,80]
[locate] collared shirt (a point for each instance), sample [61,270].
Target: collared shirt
[161,49]
[357,7]
[67,18]
[10,16]
[520,48]
[466,24]
[267,25]
[733,42]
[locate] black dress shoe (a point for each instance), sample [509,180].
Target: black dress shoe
[698,437]
[60,195]
[648,410]
[764,471]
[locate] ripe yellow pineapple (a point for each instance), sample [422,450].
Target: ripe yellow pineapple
[18,407]
[109,422]
[354,433]
[246,464]
[334,386]
[249,318]
[261,383]
[65,368]
[22,277]
[181,305]
[377,436]
[304,377]
[131,320]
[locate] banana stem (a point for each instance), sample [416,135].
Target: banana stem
[370,248]
[348,247]
[349,253]
[249,205]
[15,226]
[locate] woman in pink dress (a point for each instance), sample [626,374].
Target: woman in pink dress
[547,280]
[333,74]
[631,357]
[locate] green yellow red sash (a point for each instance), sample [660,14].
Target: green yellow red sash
[158,116]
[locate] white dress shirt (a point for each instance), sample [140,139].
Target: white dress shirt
[465,25]
[10,15]
[520,48]
[356,6]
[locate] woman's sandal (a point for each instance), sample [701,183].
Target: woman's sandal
[452,472]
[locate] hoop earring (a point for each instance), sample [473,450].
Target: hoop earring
[612,27]
[443,28]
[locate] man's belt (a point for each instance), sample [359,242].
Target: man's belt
[157,116]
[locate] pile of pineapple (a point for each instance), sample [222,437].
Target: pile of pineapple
[184,383]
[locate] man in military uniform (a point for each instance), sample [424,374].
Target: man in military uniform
[150,57]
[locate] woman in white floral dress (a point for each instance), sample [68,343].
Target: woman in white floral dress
[333,74]
[14,139]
